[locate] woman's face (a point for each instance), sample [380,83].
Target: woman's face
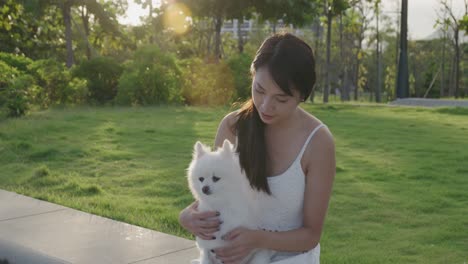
[271,102]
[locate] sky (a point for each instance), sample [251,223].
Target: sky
[422,14]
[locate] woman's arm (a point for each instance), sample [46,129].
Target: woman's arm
[205,224]
[319,180]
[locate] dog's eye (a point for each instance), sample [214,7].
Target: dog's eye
[215,179]
[201,179]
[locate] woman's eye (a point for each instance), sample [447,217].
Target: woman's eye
[215,179]
[258,91]
[282,101]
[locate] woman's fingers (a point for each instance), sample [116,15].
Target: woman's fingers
[204,236]
[214,223]
[206,214]
[234,257]
[210,230]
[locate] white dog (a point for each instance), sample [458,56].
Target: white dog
[217,182]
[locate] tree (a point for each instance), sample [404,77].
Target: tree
[456,24]
[362,22]
[402,88]
[295,12]
[218,11]
[105,19]
[332,9]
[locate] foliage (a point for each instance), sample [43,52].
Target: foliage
[16,90]
[22,32]
[18,96]
[17,61]
[151,78]
[207,83]
[102,74]
[240,67]
[464,23]
[55,84]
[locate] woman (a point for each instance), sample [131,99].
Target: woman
[284,151]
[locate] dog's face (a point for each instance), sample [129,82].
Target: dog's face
[213,174]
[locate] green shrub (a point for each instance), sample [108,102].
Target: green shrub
[240,67]
[18,95]
[102,74]
[151,78]
[55,84]
[7,74]
[13,90]
[210,83]
[19,62]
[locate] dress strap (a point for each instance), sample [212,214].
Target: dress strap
[299,157]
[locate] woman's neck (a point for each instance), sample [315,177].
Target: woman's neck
[286,123]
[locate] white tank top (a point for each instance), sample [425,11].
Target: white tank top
[283,210]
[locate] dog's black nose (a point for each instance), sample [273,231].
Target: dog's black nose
[206,190]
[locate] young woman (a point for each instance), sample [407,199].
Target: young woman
[284,151]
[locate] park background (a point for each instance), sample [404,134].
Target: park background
[102,116]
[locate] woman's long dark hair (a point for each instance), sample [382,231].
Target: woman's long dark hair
[291,64]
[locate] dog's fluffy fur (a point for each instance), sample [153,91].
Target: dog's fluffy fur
[217,182]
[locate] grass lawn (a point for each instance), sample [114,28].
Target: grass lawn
[400,194]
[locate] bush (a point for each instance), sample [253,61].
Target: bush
[16,85]
[19,62]
[7,74]
[153,77]
[18,95]
[207,83]
[240,67]
[102,74]
[55,84]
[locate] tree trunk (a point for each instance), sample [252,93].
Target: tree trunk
[457,63]
[85,20]
[377,87]
[218,25]
[343,67]
[326,89]
[402,89]
[356,80]
[240,38]
[442,77]
[452,78]
[66,11]
[150,16]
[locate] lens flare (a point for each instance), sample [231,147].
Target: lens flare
[177,18]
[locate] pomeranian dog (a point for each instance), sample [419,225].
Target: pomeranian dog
[218,183]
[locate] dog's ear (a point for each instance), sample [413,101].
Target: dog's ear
[227,147]
[199,150]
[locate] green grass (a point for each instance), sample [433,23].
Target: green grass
[400,194]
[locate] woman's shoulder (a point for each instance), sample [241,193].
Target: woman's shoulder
[309,121]
[231,118]
[322,137]
[227,129]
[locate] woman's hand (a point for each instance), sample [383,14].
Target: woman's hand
[242,242]
[201,224]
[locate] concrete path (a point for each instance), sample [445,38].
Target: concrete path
[34,231]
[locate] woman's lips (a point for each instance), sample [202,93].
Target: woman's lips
[267,117]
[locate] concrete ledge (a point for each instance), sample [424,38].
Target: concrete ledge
[31,228]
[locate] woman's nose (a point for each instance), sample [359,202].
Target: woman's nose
[267,104]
